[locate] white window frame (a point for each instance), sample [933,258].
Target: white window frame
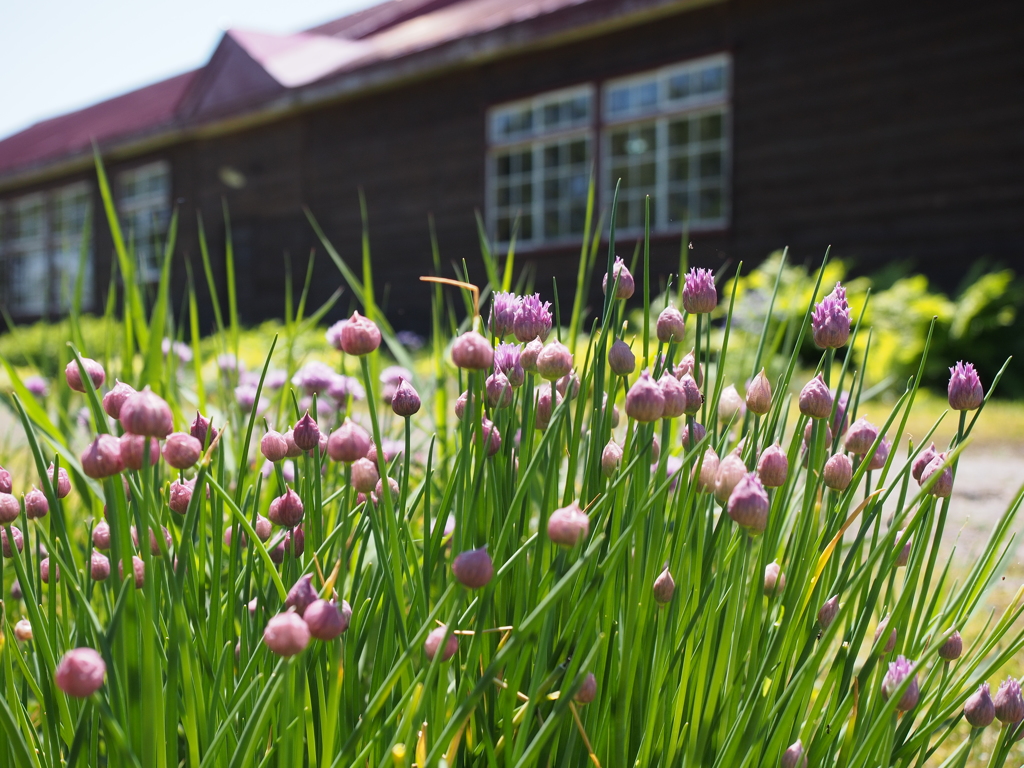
[69,250]
[661,114]
[18,247]
[156,203]
[536,139]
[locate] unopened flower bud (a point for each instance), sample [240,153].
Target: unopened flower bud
[880,456]
[759,394]
[953,646]
[621,279]
[943,486]
[899,670]
[730,471]
[101,535]
[472,351]
[393,488]
[979,709]
[301,595]
[774,579]
[154,542]
[178,497]
[138,570]
[748,503]
[644,401]
[860,437]
[569,385]
[1009,705]
[46,570]
[80,672]
[359,336]
[99,567]
[274,447]
[568,526]
[202,430]
[611,458]
[364,475]
[326,619]
[115,398]
[694,397]
[62,485]
[182,451]
[674,395]
[671,325]
[545,408]
[491,436]
[815,399]
[146,413]
[286,634]
[794,756]
[348,443]
[838,472]
[903,545]
[688,365]
[965,390]
[924,458]
[292,450]
[306,433]
[664,587]
[286,510]
[138,451]
[554,361]
[406,400]
[708,471]
[621,359]
[23,631]
[102,458]
[881,630]
[92,369]
[473,568]
[10,509]
[528,359]
[434,640]
[5,481]
[498,390]
[587,691]
[5,544]
[773,467]
[827,612]
[730,405]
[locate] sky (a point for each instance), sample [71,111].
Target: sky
[60,55]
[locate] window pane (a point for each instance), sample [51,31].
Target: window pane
[70,210]
[711,127]
[710,165]
[564,179]
[711,203]
[145,206]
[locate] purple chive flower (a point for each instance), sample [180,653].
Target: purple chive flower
[314,377]
[794,756]
[275,379]
[899,670]
[37,385]
[699,293]
[359,335]
[664,587]
[503,313]
[343,387]
[979,709]
[507,361]
[830,320]
[748,503]
[532,319]
[228,363]
[965,390]
[80,672]
[333,334]
[625,286]
[410,340]
[774,579]
[1009,705]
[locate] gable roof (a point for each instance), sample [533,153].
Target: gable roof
[252,73]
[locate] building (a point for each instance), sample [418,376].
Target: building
[890,130]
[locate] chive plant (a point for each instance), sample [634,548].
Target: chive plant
[599,552]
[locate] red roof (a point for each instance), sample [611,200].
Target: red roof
[250,69]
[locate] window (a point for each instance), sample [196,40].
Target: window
[539,166]
[26,256]
[144,202]
[69,214]
[666,136]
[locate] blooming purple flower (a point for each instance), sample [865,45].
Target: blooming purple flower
[507,361]
[410,340]
[394,374]
[37,385]
[333,334]
[245,396]
[504,307]
[699,293]
[965,390]
[228,363]
[314,377]
[899,670]
[287,470]
[182,350]
[343,387]
[830,320]
[532,319]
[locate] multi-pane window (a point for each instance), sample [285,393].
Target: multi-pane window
[144,203]
[69,212]
[666,136]
[539,166]
[41,241]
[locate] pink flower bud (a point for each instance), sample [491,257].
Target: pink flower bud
[903,545]
[611,458]
[80,672]
[692,434]
[138,570]
[178,497]
[730,405]
[748,503]
[924,458]
[773,467]
[133,451]
[892,637]
[899,670]
[774,580]
[92,369]
[359,335]
[5,544]
[708,470]
[943,486]
[301,595]
[671,325]
[491,436]
[292,449]
[115,398]
[5,481]
[287,634]
[498,390]
[644,401]
[101,535]
[306,433]
[664,587]
[473,568]
[674,395]
[406,400]
[730,471]
[364,476]
[699,294]
[688,365]
[348,443]
[286,510]
[587,692]
[759,394]
[528,359]
[378,490]
[146,413]
[815,399]
[274,447]
[620,278]
[102,458]
[830,320]
[202,430]
[327,620]
[965,390]
[953,646]
[568,526]
[182,451]
[23,631]
[621,359]
[568,385]
[878,458]
[472,351]
[63,483]
[694,398]
[860,437]
[10,509]
[838,472]
[46,571]
[99,567]
[154,542]
[294,543]
[434,640]
[1009,705]
[794,756]
[263,528]
[979,709]
[827,612]
[554,361]
[545,408]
